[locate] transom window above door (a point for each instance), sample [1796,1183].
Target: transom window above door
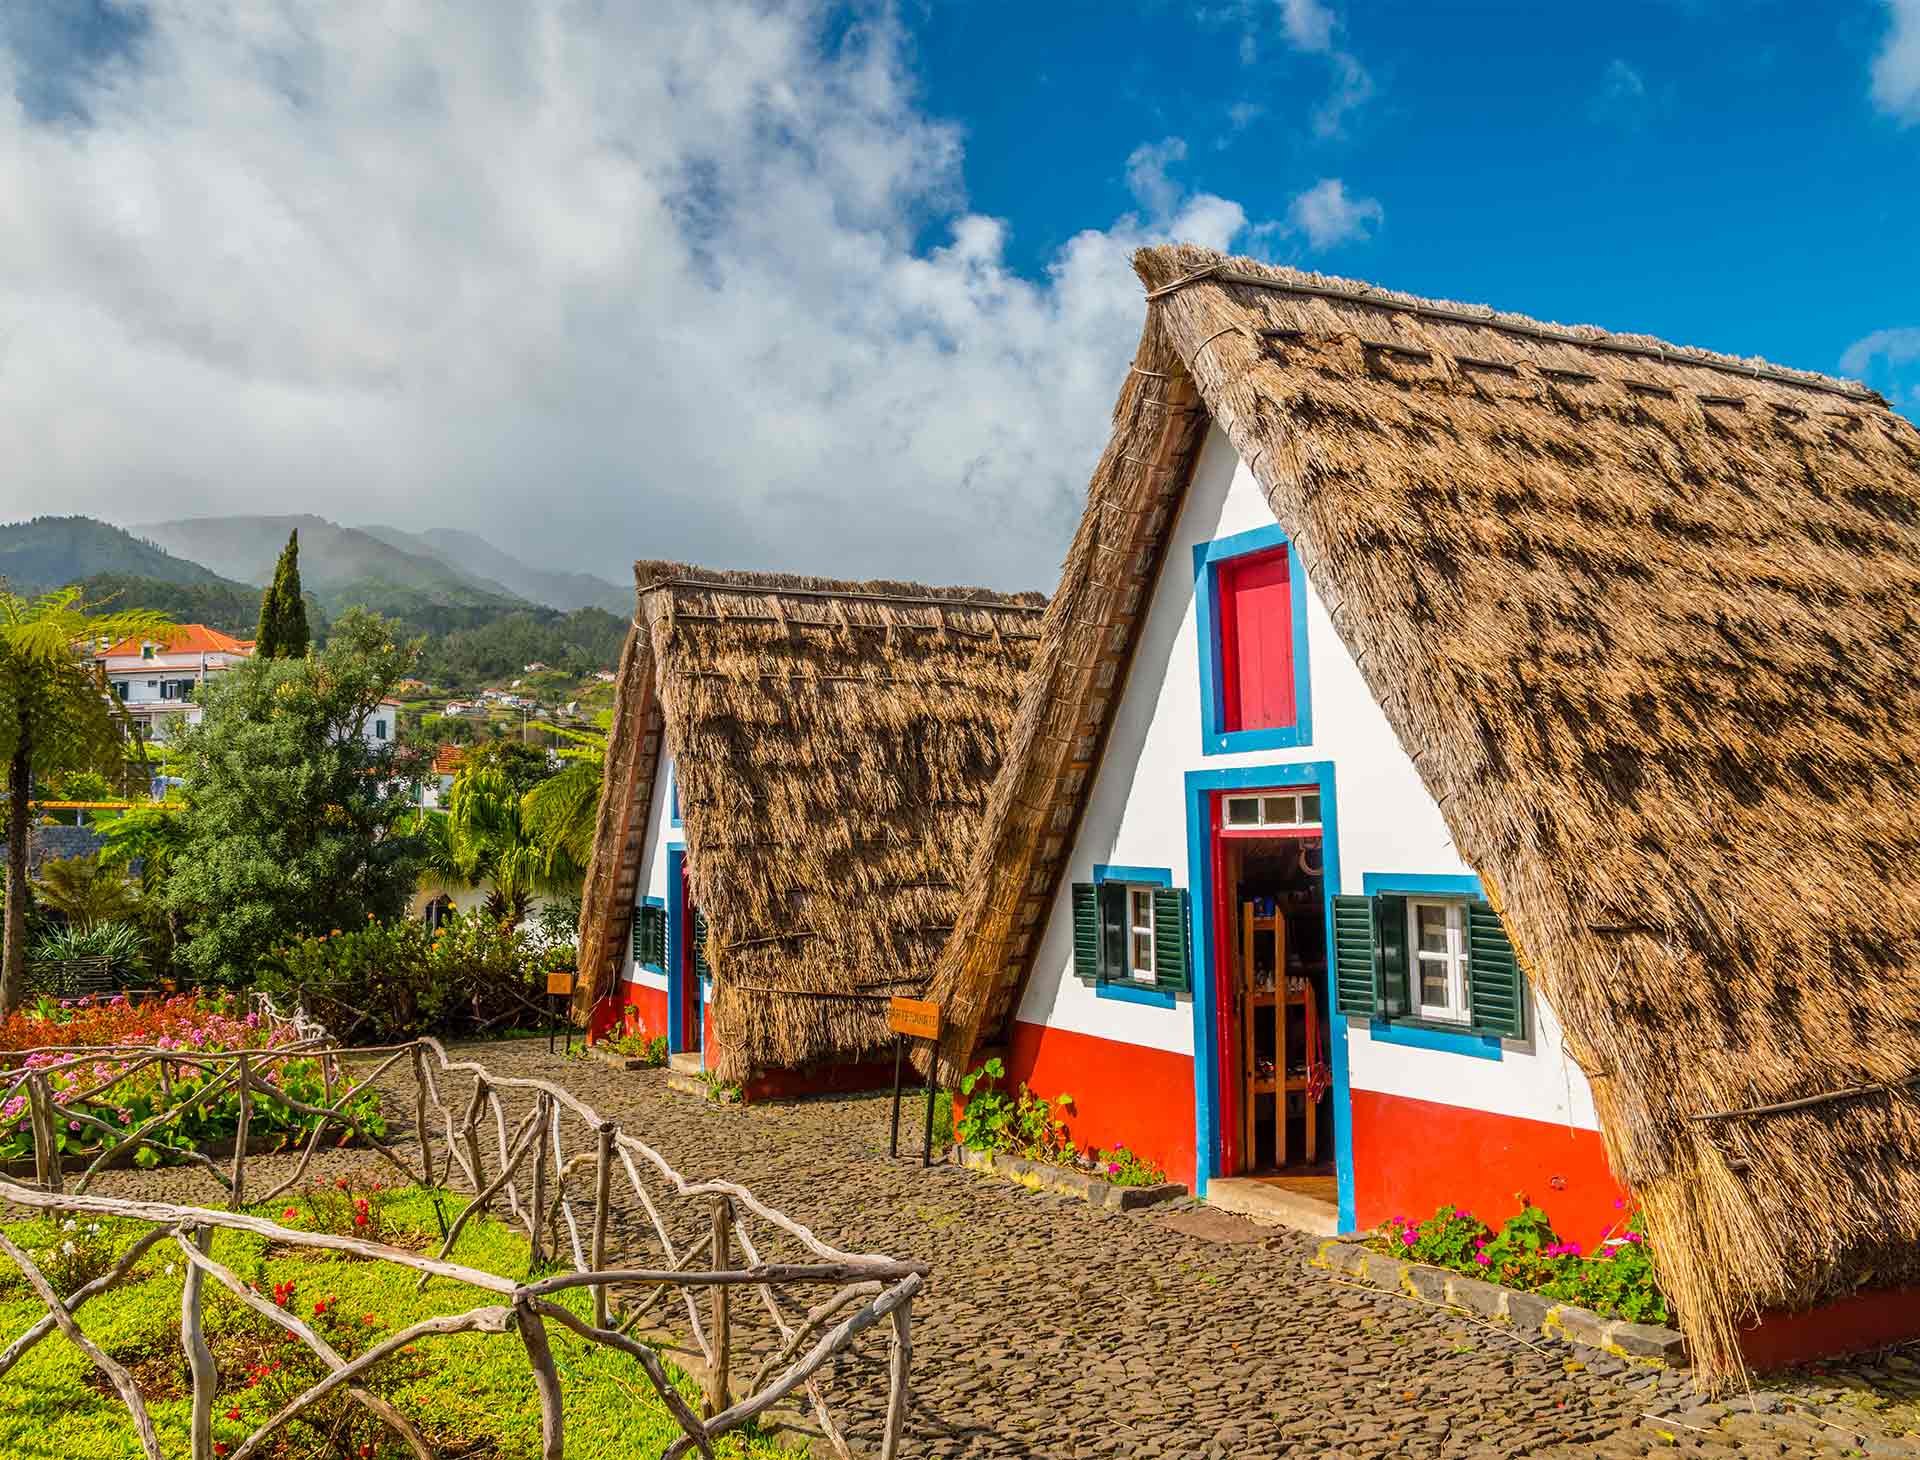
[1283,810]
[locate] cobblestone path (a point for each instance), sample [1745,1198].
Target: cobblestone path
[1052,1329]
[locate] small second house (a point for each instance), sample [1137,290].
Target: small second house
[797,773]
[1467,757]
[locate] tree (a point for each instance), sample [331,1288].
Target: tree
[489,843]
[283,612]
[560,813]
[295,820]
[55,715]
[87,892]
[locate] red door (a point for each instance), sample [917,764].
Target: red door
[1256,642]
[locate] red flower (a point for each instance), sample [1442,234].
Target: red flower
[219,1447]
[233,1414]
[290,1212]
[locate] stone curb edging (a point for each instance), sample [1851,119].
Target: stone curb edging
[1044,1177]
[619,1061]
[1646,1343]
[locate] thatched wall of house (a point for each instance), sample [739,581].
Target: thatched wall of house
[834,744]
[1646,620]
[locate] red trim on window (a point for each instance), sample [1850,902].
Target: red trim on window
[1256,642]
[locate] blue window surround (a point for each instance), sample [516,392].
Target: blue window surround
[1130,993]
[1207,558]
[1413,1034]
[660,902]
[1206,1013]
[673,797]
[676,942]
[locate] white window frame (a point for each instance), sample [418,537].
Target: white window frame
[1456,1010]
[1138,893]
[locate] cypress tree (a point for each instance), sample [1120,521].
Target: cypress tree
[283,630]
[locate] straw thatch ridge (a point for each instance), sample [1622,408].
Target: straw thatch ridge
[1645,619]
[833,744]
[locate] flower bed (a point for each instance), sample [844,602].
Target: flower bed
[1020,1134]
[1527,1254]
[126,1033]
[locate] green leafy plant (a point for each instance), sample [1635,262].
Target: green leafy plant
[119,943]
[1527,1253]
[1022,1123]
[1124,1167]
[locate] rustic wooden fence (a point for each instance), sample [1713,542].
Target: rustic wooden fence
[563,1199]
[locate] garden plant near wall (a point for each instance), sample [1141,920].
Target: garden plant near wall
[247,1268]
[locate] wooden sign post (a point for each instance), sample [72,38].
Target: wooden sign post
[913,1019]
[559,996]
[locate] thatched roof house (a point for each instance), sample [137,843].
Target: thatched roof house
[831,745]
[1647,619]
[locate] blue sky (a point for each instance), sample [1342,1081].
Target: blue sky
[845,289]
[1715,172]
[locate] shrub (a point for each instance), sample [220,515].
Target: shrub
[395,980]
[1124,1167]
[121,944]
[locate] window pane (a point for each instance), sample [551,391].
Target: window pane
[1142,908]
[1143,952]
[1310,808]
[1433,928]
[1243,811]
[1282,811]
[1433,984]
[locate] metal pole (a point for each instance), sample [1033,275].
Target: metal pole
[899,1047]
[933,1089]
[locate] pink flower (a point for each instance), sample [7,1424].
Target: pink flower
[1409,1238]
[290,1212]
[1461,1212]
[1619,1202]
[73,1125]
[1483,1259]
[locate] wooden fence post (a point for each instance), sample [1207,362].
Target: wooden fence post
[244,1081]
[420,1116]
[899,1360]
[537,1218]
[46,1147]
[718,1396]
[602,1200]
[206,1377]
[470,1133]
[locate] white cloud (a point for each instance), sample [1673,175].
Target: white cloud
[1313,28]
[1896,346]
[1308,24]
[598,282]
[1622,96]
[1328,216]
[1896,70]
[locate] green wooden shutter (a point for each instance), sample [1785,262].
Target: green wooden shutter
[1086,932]
[1170,963]
[657,919]
[1113,930]
[1353,956]
[639,935]
[1390,945]
[1496,988]
[700,964]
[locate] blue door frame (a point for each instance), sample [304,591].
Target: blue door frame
[1201,786]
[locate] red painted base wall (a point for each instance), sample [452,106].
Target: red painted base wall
[1410,1156]
[1852,1325]
[1121,1092]
[649,1017]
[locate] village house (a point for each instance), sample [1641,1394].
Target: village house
[161,681]
[797,770]
[1469,757]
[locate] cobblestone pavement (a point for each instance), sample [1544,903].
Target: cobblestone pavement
[1050,1328]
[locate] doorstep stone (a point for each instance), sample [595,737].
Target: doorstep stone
[1642,1343]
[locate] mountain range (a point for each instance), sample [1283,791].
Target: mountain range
[441,579]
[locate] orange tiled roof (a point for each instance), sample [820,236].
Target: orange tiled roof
[184,639]
[447,759]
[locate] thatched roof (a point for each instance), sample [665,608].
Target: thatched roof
[833,744]
[1645,618]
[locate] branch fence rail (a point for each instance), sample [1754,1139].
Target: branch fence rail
[556,1170]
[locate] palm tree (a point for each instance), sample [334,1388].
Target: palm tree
[487,843]
[87,893]
[559,813]
[55,714]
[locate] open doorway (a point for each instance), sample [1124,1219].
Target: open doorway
[1271,890]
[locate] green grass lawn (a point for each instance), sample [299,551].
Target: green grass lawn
[469,1393]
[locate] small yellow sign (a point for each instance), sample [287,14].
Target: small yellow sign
[916,1018]
[560,983]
